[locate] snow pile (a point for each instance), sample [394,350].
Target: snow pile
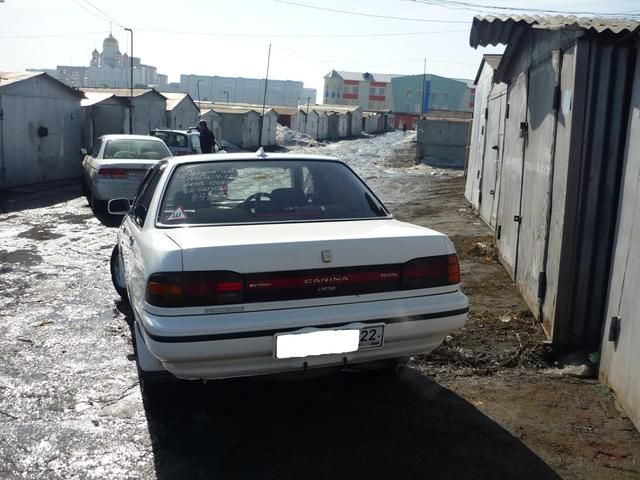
[286,137]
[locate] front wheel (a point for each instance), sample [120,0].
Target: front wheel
[117,274]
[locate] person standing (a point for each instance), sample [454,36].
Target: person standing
[207,138]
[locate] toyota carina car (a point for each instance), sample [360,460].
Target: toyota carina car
[251,264]
[116,165]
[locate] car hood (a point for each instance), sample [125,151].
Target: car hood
[278,247]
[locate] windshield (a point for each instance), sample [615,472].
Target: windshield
[266,191]
[135,149]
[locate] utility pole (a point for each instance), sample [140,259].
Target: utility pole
[424,88]
[131,84]
[264,98]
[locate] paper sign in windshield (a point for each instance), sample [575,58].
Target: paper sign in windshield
[178,214]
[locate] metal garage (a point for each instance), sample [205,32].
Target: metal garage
[568,83]
[39,129]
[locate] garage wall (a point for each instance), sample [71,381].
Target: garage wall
[149,112]
[621,357]
[491,158]
[27,157]
[183,115]
[477,140]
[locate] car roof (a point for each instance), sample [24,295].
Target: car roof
[129,137]
[190,130]
[259,155]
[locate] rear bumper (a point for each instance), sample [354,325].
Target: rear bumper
[107,189]
[412,325]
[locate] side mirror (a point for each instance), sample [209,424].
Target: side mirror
[119,206]
[84,151]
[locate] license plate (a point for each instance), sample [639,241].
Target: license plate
[328,342]
[371,337]
[135,176]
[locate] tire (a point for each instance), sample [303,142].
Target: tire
[117,274]
[98,206]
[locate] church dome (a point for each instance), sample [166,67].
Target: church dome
[110,42]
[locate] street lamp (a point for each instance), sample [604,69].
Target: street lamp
[131,83]
[227,94]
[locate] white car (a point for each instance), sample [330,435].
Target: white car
[116,165]
[250,264]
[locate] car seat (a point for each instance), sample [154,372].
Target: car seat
[283,198]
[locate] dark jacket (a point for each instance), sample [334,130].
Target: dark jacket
[207,140]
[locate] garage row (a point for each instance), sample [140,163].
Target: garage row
[44,122]
[553,168]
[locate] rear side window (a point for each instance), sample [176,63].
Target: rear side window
[136,149]
[265,192]
[95,149]
[145,193]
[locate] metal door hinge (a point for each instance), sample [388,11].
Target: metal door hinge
[498,232]
[492,192]
[517,218]
[556,98]
[524,126]
[614,329]
[506,115]
[486,113]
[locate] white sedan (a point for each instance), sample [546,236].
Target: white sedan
[116,165]
[251,264]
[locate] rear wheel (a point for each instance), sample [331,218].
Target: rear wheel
[98,206]
[117,274]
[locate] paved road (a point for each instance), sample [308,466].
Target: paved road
[71,405]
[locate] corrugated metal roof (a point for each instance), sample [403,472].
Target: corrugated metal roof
[497,29]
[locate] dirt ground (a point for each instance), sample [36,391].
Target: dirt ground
[491,403]
[500,364]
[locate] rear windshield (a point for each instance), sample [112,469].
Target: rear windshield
[136,149]
[265,191]
[172,139]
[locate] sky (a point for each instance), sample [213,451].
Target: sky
[308,38]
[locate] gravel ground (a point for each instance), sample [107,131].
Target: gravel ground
[489,403]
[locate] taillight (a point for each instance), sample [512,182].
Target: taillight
[194,289]
[119,173]
[430,272]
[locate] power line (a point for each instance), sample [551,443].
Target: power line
[360,14]
[104,13]
[271,35]
[101,17]
[460,5]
